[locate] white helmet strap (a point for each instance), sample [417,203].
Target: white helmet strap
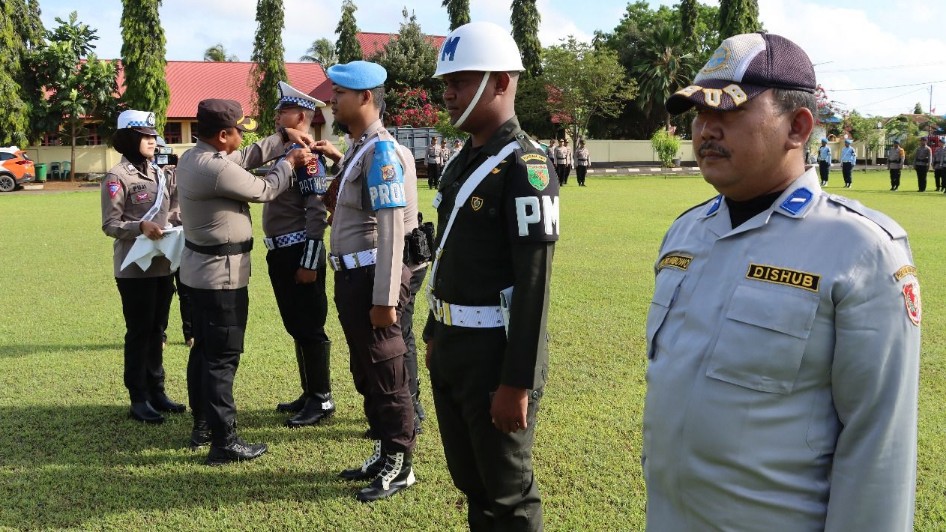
[476,99]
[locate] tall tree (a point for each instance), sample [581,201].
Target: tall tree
[738,16]
[688,20]
[322,51]
[458,11]
[664,66]
[347,47]
[269,69]
[143,58]
[81,88]
[583,82]
[410,58]
[218,54]
[21,31]
[525,19]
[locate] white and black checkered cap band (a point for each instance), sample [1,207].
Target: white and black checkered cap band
[138,123]
[292,100]
[290,96]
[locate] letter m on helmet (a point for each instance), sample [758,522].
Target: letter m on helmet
[449,48]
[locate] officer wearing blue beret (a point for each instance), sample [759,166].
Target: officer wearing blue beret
[374,204]
[848,160]
[824,161]
[783,336]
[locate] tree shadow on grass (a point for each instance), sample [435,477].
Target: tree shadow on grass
[75,465]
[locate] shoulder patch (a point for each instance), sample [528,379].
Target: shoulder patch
[911,300]
[904,271]
[386,177]
[680,262]
[527,157]
[113,187]
[538,175]
[885,222]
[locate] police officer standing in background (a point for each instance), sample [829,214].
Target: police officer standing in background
[921,163]
[783,336]
[824,161]
[939,167]
[375,206]
[294,224]
[138,199]
[848,159]
[895,160]
[215,187]
[487,346]
[582,162]
[434,162]
[563,162]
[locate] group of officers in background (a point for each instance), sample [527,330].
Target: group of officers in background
[436,157]
[485,336]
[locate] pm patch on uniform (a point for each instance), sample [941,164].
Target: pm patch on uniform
[533,203]
[386,177]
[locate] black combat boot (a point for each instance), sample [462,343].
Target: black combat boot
[317,383]
[162,403]
[419,414]
[235,449]
[200,434]
[396,475]
[294,406]
[145,413]
[368,470]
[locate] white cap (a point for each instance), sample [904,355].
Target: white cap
[292,97]
[478,47]
[141,121]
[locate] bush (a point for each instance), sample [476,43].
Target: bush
[667,146]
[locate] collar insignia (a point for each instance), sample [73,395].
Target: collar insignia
[715,205]
[797,201]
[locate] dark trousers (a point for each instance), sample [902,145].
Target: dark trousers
[921,171]
[580,172]
[492,468]
[219,327]
[894,178]
[824,168]
[940,175]
[562,170]
[407,329]
[303,307]
[433,175]
[846,170]
[146,302]
[377,358]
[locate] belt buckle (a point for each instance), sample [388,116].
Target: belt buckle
[440,309]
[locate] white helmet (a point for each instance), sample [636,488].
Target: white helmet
[478,47]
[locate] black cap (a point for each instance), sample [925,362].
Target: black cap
[224,114]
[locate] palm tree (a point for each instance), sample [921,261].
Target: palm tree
[218,54]
[664,67]
[322,51]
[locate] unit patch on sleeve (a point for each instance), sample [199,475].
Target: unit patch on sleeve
[911,299]
[113,188]
[784,276]
[386,178]
[680,262]
[538,175]
[909,269]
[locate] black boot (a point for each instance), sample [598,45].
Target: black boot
[160,402]
[200,434]
[144,412]
[317,383]
[396,475]
[294,406]
[235,449]
[368,470]
[419,414]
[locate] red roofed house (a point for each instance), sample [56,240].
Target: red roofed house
[373,43]
[189,83]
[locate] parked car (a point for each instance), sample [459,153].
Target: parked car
[16,168]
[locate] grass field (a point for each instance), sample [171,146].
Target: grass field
[69,457]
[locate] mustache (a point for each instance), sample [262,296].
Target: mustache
[716,149]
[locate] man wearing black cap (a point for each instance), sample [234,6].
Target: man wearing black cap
[374,203]
[215,187]
[294,224]
[783,335]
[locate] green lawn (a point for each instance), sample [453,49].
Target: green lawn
[69,457]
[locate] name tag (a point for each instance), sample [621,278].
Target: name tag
[784,276]
[680,262]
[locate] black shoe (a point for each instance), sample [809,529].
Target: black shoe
[368,470]
[200,435]
[292,407]
[236,450]
[396,475]
[161,403]
[145,413]
[419,414]
[317,408]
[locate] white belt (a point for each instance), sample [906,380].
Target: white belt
[465,316]
[354,260]
[283,241]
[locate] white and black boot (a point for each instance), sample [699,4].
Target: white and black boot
[368,470]
[396,475]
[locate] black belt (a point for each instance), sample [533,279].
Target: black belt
[220,250]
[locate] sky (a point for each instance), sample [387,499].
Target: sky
[870,55]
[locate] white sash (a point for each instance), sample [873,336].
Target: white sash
[159,197]
[354,160]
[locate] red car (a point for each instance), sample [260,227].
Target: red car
[16,168]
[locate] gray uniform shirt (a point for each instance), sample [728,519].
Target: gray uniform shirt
[939,157]
[355,227]
[582,157]
[783,375]
[127,196]
[214,190]
[895,157]
[922,156]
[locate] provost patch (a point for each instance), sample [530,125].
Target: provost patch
[538,175]
[911,300]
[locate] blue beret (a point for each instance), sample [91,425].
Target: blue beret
[358,75]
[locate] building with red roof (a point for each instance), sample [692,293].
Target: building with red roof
[374,43]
